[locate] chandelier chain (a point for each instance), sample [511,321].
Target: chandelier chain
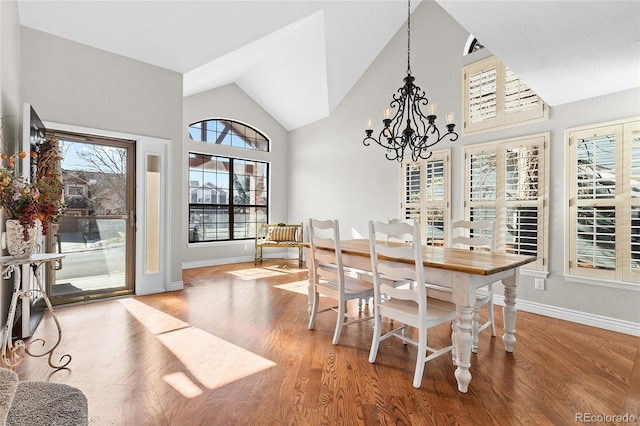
[409,37]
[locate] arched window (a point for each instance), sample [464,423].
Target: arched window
[228,132]
[228,196]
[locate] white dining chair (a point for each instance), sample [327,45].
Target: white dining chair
[329,278]
[408,305]
[477,235]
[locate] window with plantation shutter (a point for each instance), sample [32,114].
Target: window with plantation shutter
[604,201]
[495,97]
[426,195]
[507,182]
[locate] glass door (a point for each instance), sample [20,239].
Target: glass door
[96,232]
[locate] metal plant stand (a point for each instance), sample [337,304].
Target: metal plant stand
[13,353]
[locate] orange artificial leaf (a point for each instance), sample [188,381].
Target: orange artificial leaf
[33,154]
[22,155]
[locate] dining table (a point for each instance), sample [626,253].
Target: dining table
[461,270]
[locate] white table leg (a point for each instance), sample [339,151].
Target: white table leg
[509,312]
[463,346]
[464,298]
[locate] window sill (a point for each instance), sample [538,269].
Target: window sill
[602,283]
[250,241]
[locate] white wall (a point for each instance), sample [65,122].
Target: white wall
[73,84]
[233,103]
[334,176]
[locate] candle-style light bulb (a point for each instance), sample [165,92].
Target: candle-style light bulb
[449,118]
[387,112]
[369,124]
[432,108]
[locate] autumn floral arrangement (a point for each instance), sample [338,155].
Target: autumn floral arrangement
[40,199]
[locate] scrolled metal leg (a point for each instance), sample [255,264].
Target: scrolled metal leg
[12,353]
[49,352]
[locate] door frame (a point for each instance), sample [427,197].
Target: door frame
[144,283]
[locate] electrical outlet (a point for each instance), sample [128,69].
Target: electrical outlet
[245,246]
[539,284]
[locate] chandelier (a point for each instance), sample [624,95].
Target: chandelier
[409,128]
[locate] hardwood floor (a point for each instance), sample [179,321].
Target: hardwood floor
[233,348]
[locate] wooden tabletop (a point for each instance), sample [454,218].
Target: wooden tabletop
[460,260]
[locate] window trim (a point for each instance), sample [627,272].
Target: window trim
[620,277]
[500,147]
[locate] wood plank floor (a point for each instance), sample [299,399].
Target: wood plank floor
[233,348]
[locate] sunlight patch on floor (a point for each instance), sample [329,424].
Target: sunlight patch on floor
[264,272]
[180,382]
[301,287]
[212,361]
[254,273]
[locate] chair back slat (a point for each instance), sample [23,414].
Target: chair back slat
[324,236]
[383,263]
[477,234]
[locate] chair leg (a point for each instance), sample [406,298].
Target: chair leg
[421,357]
[375,342]
[314,310]
[490,308]
[339,322]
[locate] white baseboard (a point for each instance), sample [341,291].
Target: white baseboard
[176,285]
[216,262]
[599,321]
[229,260]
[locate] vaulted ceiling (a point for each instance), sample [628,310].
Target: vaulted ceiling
[299,58]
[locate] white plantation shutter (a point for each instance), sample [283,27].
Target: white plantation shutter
[482,95]
[411,204]
[506,182]
[632,157]
[494,97]
[604,201]
[480,90]
[518,97]
[483,175]
[481,203]
[522,194]
[426,196]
